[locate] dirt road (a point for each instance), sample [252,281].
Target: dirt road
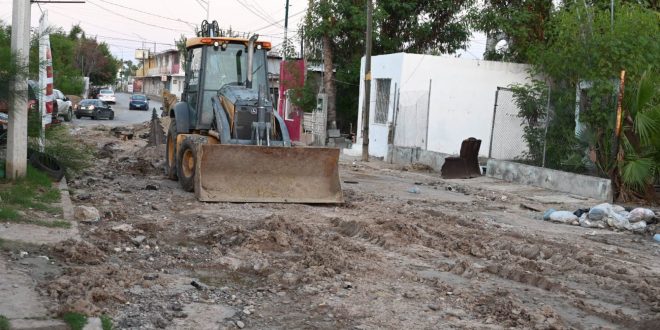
[456,254]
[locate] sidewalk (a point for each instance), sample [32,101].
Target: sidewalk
[20,302]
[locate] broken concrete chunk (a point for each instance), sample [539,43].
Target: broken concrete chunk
[138,240]
[124,227]
[86,214]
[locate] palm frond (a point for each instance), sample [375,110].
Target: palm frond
[647,126]
[637,173]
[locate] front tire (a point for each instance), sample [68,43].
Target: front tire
[68,115]
[170,151]
[186,160]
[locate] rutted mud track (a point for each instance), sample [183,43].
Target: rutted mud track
[384,259]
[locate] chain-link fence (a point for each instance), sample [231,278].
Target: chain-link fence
[507,140]
[411,119]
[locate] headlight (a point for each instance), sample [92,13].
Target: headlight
[91,107]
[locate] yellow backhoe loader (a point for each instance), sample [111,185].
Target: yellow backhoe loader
[227,143]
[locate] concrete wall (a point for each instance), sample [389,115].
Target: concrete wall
[407,155]
[383,66]
[460,105]
[571,183]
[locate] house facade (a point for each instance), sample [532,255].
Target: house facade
[433,103]
[163,71]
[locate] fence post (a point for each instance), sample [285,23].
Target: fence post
[428,114]
[492,126]
[547,123]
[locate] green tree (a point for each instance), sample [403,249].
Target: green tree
[334,31]
[521,23]
[582,45]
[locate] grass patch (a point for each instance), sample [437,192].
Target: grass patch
[8,213]
[106,322]
[76,321]
[4,323]
[34,191]
[52,224]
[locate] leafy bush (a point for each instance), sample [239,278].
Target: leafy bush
[72,153]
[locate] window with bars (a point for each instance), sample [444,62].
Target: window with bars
[382,100]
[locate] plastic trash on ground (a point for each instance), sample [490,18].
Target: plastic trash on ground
[563,217]
[640,214]
[586,222]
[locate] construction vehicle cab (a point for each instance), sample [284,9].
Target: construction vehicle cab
[227,143]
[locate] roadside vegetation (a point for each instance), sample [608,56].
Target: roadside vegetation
[35,192]
[4,323]
[77,321]
[72,153]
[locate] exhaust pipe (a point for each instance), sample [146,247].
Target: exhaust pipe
[250,56]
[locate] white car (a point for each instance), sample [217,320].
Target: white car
[107,95]
[62,105]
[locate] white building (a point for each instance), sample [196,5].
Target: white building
[432,103]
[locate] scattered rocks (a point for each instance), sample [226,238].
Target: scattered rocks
[138,240]
[240,324]
[152,186]
[150,277]
[124,227]
[86,214]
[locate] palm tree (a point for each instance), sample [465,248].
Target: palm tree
[639,167]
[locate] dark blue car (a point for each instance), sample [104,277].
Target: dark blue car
[138,102]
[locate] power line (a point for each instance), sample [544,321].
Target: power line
[258,7]
[282,20]
[135,40]
[135,20]
[148,13]
[88,23]
[255,12]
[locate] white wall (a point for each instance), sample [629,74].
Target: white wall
[383,66]
[461,100]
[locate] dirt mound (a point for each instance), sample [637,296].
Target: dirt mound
[91,290]
[78,252]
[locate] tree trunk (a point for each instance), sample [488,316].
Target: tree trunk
[329,82]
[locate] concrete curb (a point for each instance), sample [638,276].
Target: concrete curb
[582,185]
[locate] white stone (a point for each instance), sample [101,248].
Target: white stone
[86,214]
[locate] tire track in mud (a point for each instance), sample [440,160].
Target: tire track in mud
[541,263]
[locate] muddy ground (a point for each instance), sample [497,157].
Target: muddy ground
[457,254]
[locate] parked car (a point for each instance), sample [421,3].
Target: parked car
[62,106]
[138,101]
[94,109]
[107,95]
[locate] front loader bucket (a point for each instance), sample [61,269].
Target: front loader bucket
[248,173]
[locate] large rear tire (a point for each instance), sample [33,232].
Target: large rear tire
[170,151]
[187,157]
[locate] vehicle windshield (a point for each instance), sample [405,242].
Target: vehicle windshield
[139,98]
[106,91]
[229,66]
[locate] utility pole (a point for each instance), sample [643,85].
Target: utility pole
[16,165]
[286,29]
[366,106]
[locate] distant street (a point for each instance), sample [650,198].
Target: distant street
[123,116]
